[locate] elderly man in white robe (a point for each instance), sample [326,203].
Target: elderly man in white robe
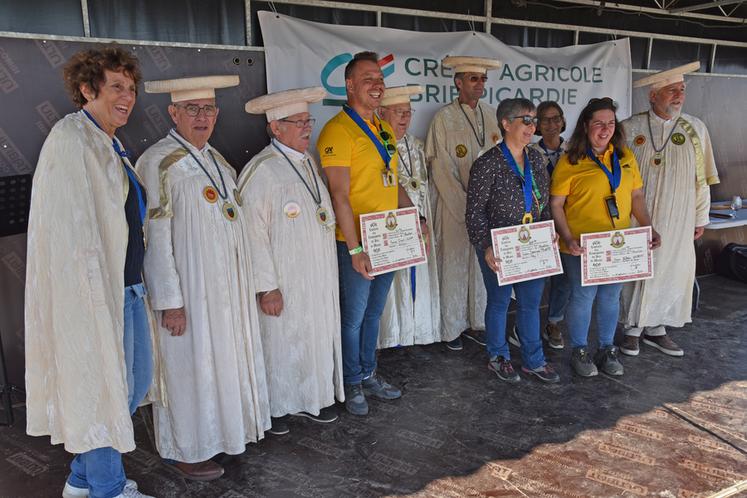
[459,133]
[291,229]
[412,311]
[675,157]
[198,271]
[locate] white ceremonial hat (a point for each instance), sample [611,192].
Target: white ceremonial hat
[467,64]
[201,87]
[400,94]
[279,105]
[664,78]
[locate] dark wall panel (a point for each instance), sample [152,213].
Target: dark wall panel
[61,17]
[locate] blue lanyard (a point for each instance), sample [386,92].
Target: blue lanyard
[616,175]
[130,174]
[526,178]
[367,130]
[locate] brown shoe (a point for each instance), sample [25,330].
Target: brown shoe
[664,344]
[553,336]
[202,471]
[629,345]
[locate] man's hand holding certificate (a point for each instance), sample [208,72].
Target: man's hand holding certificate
[393,240]
[526,252]
[616,256]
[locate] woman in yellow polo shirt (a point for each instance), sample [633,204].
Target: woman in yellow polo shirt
[596,186]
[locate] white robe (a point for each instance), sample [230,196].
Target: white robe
[76,386]
[296,255]
[405,322]
[450,135]
[198,259]
[677,204]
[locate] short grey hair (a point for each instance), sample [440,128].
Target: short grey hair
[512,107]
[268,129]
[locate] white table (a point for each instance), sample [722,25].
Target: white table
[740,218]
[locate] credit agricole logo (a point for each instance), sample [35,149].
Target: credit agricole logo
[335,69]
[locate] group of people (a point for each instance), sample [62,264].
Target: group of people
[233,302]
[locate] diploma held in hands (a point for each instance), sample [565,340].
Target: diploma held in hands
[393,240]
[616,256]
[525,252]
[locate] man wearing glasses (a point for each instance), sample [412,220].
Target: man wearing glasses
[198,271]
[291,230]
[359,156]
[459,133]
[675,157]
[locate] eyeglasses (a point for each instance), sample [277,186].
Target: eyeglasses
[551,120]
[475,78]
[386,137]
[301,123]
[401,113]
[193,110]
[526,120]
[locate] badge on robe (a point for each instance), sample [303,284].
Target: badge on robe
[678,139]
[210,194]
[461,150]
[639,140]
[292,210]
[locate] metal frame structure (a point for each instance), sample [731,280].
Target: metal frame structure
[487,20]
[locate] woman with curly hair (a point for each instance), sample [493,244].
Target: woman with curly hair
[88,340]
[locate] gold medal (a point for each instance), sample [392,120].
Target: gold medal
[678,139]
[322,216]
[210,194]
[461,150]
[528,218]
[229,211]
[237,197]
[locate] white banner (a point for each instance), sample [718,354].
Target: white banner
[304,53]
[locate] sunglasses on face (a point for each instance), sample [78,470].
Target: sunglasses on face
[526,120]
[551,120]
[386,137]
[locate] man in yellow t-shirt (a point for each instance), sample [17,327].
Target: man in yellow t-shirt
[359,156]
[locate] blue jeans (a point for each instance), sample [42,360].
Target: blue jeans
[560,292]
[361,304]
[528,297]
[100,470]
[578,314]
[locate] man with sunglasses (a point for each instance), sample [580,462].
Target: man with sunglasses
[676,160]
[292,235]
[459,133]
[199,278]
[359,156]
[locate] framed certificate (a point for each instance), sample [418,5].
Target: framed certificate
[393,240]
[526,252]
[616,256]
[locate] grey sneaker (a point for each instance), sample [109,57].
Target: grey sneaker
[582,364]
[512,337]
[545,374]
[355,400]
[378,388]
[608,362]
[503,369]
[629,345]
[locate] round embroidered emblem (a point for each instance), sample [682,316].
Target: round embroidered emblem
[678,139]
[461,150]
[639,140]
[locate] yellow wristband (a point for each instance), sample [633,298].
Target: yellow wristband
[355,251]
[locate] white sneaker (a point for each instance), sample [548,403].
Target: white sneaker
[132,493]
[70,491]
